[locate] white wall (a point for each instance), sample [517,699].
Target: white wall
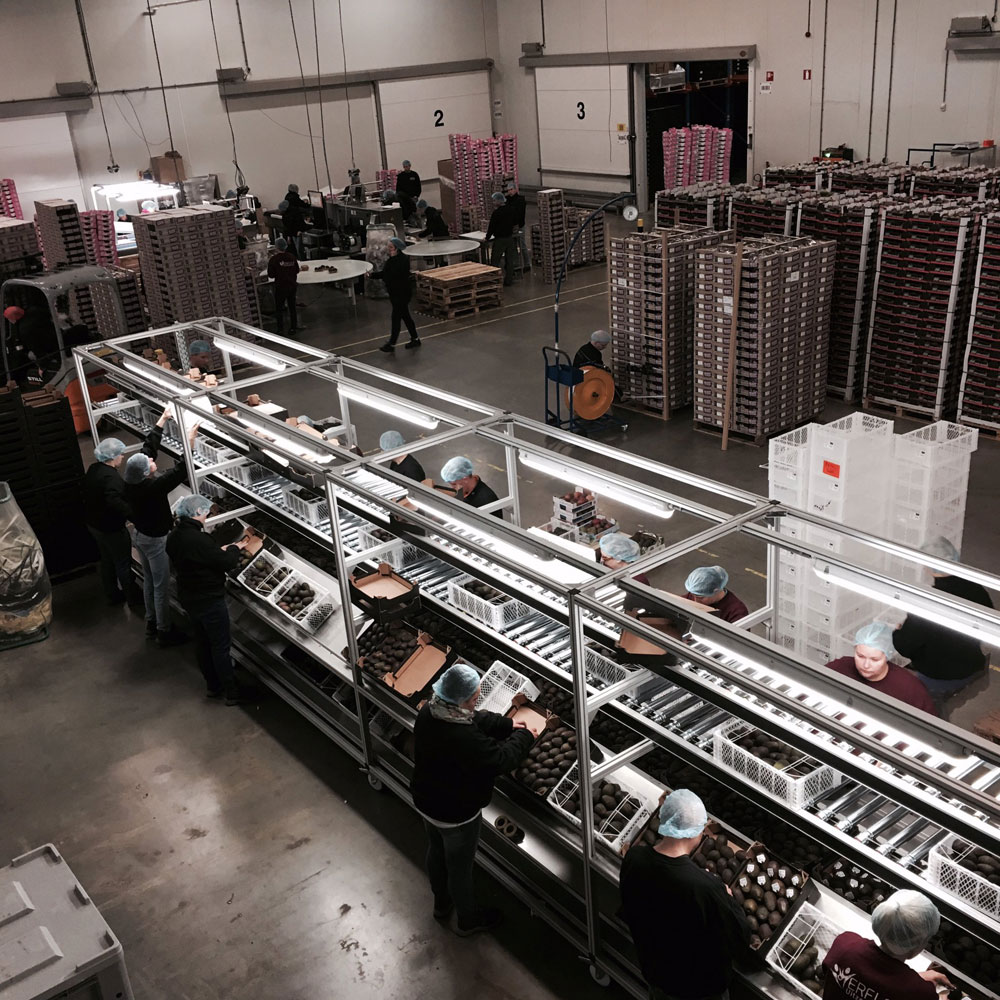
[40,151]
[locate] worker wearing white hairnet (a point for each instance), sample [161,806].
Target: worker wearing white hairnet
[591,354]
[617,551]
[458,753]
[871,665]
[944,659]
[708,585]
[200,567]
[406,464]
[858,967]
[460,475]
[396,275]
[688,930]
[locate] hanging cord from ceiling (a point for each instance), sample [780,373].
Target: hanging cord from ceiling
[243,37]
[871,103]
[809,19]
[607,52]
[141,134]
[892,64]
[347,97]
[822,72]
[944,89]
[113,167]
[305,95]
[150,13]
[319,92]
[241,181]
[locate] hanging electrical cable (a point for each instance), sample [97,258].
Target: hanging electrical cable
[150,13]
[305,95]
[113,167]
[319,91]
[241,181]
[347,96]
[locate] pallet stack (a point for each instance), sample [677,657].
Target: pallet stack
[884,178]
[385,180]
[978,400]
[697,153]
[60,233]
[552,230]
[191,265]
[651,277]
[130,293]
[705,204]
[472,219]
[475,161]
[459,289]
[979,183]
[809,176]
[770,212]
[99,240]
[782,294]
[589,248]
[10,206]
[19,251]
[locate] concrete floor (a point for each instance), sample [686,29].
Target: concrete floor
[235,851]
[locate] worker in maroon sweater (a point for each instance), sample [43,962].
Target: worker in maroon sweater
[707,585]
[870,665]
[283,269]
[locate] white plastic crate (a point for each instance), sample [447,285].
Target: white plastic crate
[499,685]
[319,608]
[213,453]
[807,927]
[395,552]
[264,558]
[498,614]
[931,444]
[313,512]
[795,791]
[568,785]
[602,670]
[248,473]
[944,870]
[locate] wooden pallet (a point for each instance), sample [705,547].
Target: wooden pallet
[454,275]
[898,411]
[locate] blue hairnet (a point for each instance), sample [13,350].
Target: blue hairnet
[136,468]
[192,506]
[307,420]
[941,548]
[282,206]
[499,198]
[457,684]
[618,545]
[230,193]
[398,243]
[456,468]
[199,347]
[281,243]
[293,188]
[878,635]
[108,450]
[406,163]
[706,580]
[390,440]
[905,922]
[421,204]
[682,815]
[600,337]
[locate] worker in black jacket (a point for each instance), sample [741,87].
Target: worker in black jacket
[436,228]
[396,275]
[944,659]
[592,353]
[519,208]
[458,754]
[148,495]
[201,567]
[408,181]
[460,475]
[501,232]
[405,465]
[105,511]
[294,218]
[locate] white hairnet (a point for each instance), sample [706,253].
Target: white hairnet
[706,580]
[499,198]
[682,815]
[600,337]
[456,468]
[136,468]
[391,439]
[905,922]
[457,684]
[618,545]
[941,548]
[878,635]
[192,506]
[108,450]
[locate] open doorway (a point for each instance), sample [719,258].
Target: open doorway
[711,92]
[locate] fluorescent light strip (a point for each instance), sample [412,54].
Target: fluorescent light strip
[959,621]
[265,360]
[388,406]
[165,383]
[612,491]
[283,442]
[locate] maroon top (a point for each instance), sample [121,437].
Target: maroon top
[857,969]
[899,683]
[729,609]
[284,269]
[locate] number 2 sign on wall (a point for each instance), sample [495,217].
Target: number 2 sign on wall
[439,119]
[581,110]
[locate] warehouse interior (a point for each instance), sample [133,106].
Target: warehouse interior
[828,166]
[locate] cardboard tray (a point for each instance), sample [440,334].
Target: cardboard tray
[412,681]
[533,715]
[384,594]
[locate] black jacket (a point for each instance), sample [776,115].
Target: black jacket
[293,219]
[589,355]
[105,506]
[502,223]
[150,504]
[396,275]
[455,764]
[408,182]
[480,496]
[939,652]
[410,467]
[518,207]
[199,564]
[436,226]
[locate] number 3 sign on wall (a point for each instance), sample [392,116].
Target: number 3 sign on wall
[581,110]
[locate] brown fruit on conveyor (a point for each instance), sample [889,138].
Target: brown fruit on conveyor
[593,396]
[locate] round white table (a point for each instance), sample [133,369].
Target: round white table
[347,270]
[440,250]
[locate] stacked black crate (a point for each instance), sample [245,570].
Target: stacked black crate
[19,251]
[810,176]
[60,233]
[552,229]
[704,204]
[589,247]
[769,212]
[922,299]
[130,292]
[979,183]
[782,292]
[979,400]
[882,178]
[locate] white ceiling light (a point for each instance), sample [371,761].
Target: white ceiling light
[388,406]
[166,383]
[966,623]
[592,481]
[263,358]
[287,443]
[135,191]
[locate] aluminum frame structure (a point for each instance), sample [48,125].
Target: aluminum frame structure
[908,781]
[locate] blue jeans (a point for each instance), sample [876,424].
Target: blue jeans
[451,858]
[941,690]
[210,622]
[155,578]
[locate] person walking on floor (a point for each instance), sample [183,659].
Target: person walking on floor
[501,232]
[283,269]
[396,275]
[519,209]
[294,219]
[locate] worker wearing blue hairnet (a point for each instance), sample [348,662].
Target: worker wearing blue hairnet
[871,665]
[106,511]
[946,660]
[405,464]
[617,551]
[435,224]
[687,928]
[200,567]
[708,585]
[501,232]
[408,181]
[460,475]
[396,275]
[283,269]
[904,924]
[458,753]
